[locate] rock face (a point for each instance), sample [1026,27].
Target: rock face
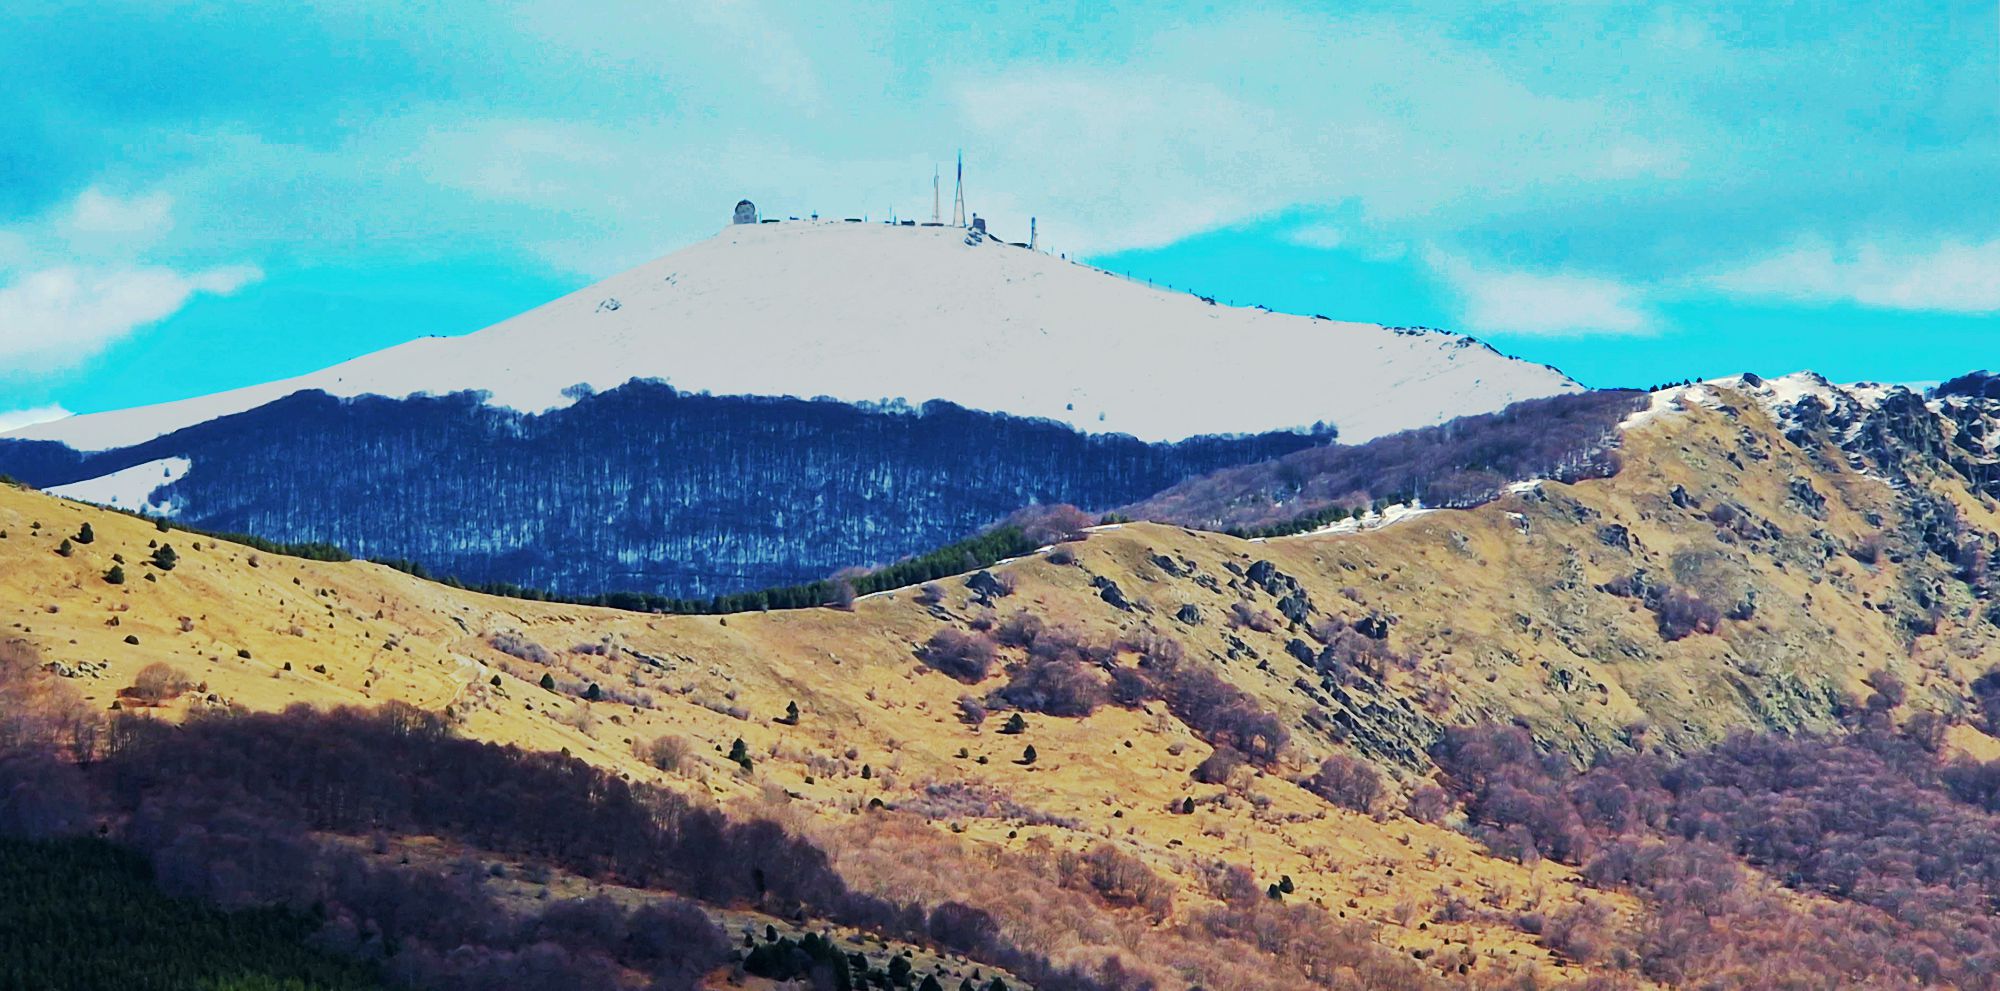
[1893,429]
[1758,553]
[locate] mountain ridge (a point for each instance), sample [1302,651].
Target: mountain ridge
[874,312]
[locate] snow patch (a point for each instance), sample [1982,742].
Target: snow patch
[130,488]
[1401,512]
[868,312]
[1672,402]
[1847,406]
[1780,394]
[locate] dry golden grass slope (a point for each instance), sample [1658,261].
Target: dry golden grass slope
[1498,611]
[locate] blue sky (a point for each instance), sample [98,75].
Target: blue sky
[202,195]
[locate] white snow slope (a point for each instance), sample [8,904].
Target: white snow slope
[865,312]
[131,488]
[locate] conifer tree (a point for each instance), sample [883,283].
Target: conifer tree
[1015,724]
[85,535]
[1027,756]
[64,549]
[164,558]
[548,682]
[116,575]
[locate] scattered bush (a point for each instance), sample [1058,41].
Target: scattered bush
[971,711]
[1119,878]
[1243,615]
[1217,767]
[1045,525]
[518,646]
[1429,803]
[1682,613]
[1020,629]
[1346,782]
[966,657]
[158,682]
[1064,686]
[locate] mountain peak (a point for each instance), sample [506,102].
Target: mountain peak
[872,311]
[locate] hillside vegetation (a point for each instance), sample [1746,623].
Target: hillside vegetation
[80,915]
[1463,463]
[1475,748]
[638,489]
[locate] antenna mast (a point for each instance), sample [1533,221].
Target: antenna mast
[936,204]
[958,197]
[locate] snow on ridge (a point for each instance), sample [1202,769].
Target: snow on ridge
[1372,519]
[1671,402]
[130,488]
[868,312]
[1782,393]
[1777,395]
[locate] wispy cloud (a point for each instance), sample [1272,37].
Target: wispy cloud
[60,317]
[1501,301]
[77,280]
[1320,236]
[1223,122]
[123,219]
[1950,277]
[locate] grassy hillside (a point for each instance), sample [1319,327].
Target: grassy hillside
[1726,579]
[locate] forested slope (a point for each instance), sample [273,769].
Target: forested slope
[640,489]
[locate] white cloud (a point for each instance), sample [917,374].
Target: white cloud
[99,214]
[18,418]
[86,275]
[58,317]
[1542,303]
[1324,237]
[1241,119]
[1949,277]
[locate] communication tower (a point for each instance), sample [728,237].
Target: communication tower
[958,196]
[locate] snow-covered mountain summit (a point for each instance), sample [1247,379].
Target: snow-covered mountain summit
[866,312]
